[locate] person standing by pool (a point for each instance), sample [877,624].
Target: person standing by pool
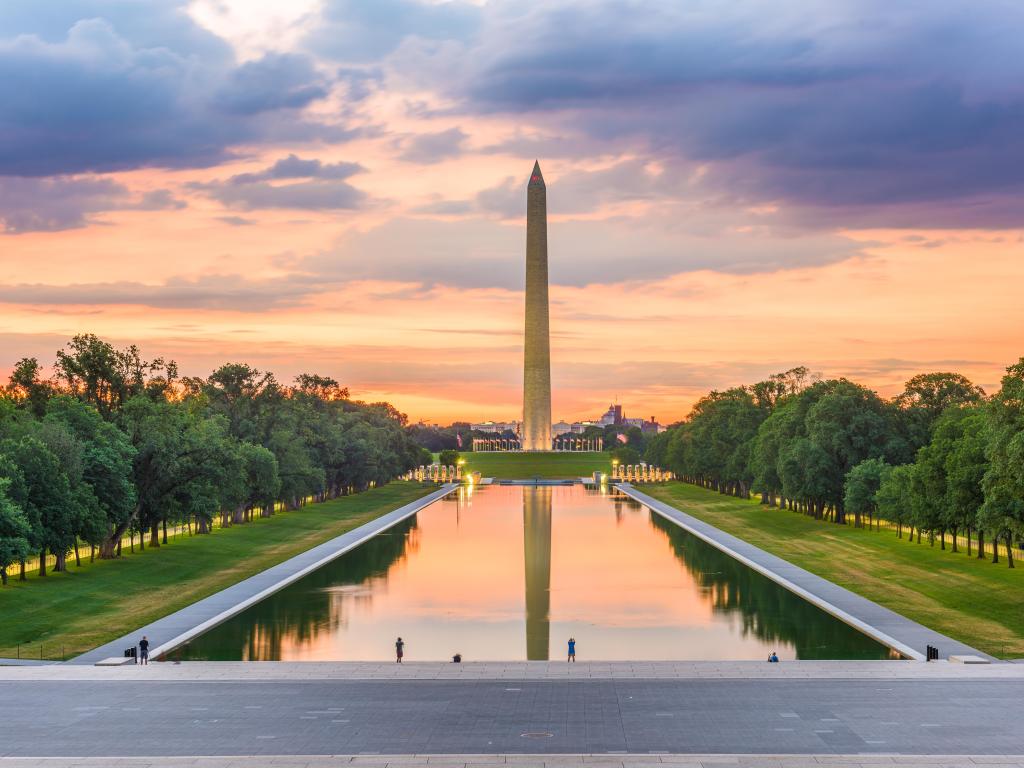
[144,650]
[572,650]
[399,649]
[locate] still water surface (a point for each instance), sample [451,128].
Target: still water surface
[511,572]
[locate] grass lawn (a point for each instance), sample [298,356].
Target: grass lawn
[522,466]
[973,600]
[98,602]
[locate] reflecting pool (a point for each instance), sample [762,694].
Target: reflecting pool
[512,572]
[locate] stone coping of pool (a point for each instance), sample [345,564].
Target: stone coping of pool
[884,625]
[537,760]
[519,670]
[173,630]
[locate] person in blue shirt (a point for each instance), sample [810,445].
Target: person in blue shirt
[773,658]
[572,649]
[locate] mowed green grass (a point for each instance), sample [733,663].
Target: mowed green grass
[973,600]
[522,466]
[98,602]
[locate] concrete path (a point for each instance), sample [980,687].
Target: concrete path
[524,761]
[447,717]
[175,629]
[256,671]
[888,627]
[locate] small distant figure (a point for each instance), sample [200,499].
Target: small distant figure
[572,650]
[399,650]
[144,650]
[457,658]
[773,658]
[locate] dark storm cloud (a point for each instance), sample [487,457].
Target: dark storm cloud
[313,186]
[115,91]
[50,205]
[911,114]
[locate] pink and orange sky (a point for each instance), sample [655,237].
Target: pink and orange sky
[339,186]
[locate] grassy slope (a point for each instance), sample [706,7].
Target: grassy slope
[527,465]
[96,603]
[973,600]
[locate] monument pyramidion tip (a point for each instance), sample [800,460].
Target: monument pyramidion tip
[536,177]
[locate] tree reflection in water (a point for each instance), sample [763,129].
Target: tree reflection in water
[768,611]
[314,605]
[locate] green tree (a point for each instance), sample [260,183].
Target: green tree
[26,386]
[861,489]
[47,500]
[849,424]
[965,469]
[1002,512]
[927,395]
[448,457]
[15,533]
[895,496]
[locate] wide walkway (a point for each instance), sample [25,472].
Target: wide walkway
[349,717]
[908,637]
[256,671]
[526,761]
[173,630]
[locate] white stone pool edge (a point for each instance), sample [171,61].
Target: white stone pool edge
[893,630]
[191,621]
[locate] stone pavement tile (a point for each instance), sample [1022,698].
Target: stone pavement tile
[459,758]
[859,759]
[998,759]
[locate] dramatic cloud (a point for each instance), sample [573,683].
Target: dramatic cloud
[479,253]
[49,205]
[429,148]
[96,100]
[322,188]
[217,292]
[354,30]
[788,103]
[277,81]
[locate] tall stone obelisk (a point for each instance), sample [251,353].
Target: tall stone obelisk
[536,434]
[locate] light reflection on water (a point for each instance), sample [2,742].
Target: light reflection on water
[511,572]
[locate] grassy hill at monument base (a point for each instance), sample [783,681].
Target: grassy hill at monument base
[975,601]
[524,466]
[98,602]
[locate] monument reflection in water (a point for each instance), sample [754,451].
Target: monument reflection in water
[511,572]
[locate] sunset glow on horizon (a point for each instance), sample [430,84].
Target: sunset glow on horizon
[340,188]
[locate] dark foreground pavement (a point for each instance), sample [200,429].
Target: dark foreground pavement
[318,717]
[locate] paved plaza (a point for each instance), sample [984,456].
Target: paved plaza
[526,761]
[177,710]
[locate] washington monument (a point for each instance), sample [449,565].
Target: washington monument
[537,358]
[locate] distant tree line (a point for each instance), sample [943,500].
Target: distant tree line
[940,458]
[112,443]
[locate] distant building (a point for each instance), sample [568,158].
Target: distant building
[495,427]
[612,416]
